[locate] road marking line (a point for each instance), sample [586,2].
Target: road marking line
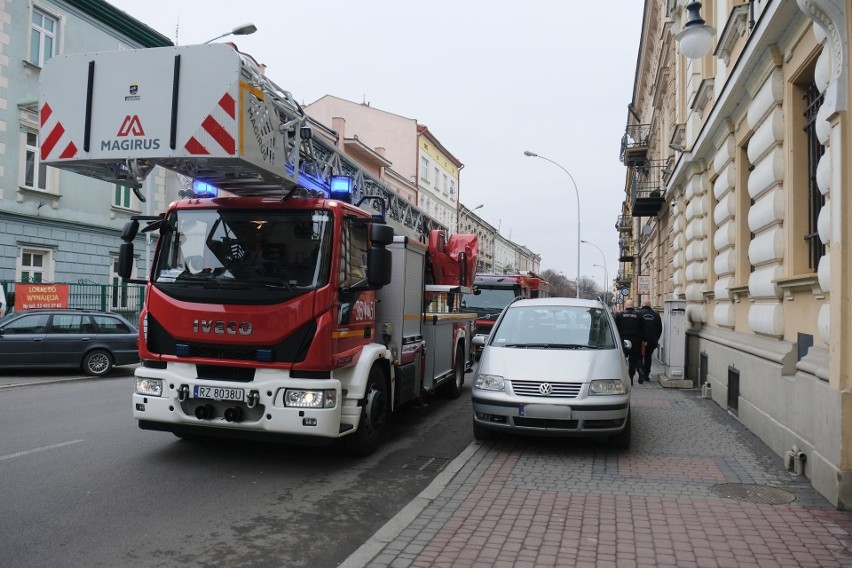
[41,449]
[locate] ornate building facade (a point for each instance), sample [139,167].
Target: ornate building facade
[737,202]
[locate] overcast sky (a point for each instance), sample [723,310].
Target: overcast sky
[490,78]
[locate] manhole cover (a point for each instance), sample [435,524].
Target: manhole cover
[425,463]
[754,493]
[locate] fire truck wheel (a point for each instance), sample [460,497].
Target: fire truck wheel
[374,417]
[453,388]
[97,363]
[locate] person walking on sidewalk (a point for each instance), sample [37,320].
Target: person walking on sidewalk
[652,329]
[629,327]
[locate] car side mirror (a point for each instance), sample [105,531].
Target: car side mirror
[478,340]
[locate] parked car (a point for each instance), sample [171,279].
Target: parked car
[553,367]
[89,340]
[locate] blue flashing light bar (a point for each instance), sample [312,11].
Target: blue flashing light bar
[264,355]
[182,350]
[341,188]
[204,189]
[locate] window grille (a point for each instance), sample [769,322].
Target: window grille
[813,101]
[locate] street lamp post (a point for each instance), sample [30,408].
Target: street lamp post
[606,283]
[245,29]
[603,256]
[577,191]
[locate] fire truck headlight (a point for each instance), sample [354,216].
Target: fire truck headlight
[310,398]
[489,382]
[149,387]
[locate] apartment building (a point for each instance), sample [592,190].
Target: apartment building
[737,204]
[57,226]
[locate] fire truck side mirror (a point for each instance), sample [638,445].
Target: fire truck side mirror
[378,257]
[381,234]
[125,260]
[129,231]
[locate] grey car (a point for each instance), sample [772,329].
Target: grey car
[553,367]
[89,340]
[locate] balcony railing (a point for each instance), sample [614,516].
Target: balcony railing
[646,188]
[634,143]
[624,223]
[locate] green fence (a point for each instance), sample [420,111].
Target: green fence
[122,298]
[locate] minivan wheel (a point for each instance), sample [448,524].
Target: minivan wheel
[481,433]
[622,439]
[97,363]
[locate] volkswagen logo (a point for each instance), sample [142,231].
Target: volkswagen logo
[546,389]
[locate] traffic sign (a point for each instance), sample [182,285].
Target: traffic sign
[624,291]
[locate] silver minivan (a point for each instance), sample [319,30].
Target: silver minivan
[553,367]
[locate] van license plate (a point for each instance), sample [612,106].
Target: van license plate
[218,393]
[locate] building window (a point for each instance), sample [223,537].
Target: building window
[35,172]
[43,37]
[437,178]
[816,200]
[119,292]
[452,187]
[34,266]
[446,185]
[121,196]
[424,169]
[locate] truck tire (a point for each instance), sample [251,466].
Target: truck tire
[621,440]
[374,417]
[453,388]
[97,363]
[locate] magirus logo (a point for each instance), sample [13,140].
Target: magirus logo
[131,126]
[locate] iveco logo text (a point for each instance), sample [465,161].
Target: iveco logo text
[229,327]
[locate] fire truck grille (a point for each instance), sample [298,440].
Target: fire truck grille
[216,352]
[546,390]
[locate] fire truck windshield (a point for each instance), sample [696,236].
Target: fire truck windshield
[489,299]
[244,249]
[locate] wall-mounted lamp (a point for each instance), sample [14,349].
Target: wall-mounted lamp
[696,37]
[666,172]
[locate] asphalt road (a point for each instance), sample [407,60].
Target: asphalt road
[81,485]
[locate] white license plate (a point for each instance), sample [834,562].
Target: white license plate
[218,393]
[555,412]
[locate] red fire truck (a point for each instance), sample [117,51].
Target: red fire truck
[285,306]
[493,292]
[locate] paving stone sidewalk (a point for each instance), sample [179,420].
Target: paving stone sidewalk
[696,489]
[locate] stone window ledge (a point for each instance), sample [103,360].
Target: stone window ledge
[801,283]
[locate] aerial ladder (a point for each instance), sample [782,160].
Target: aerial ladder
[219,120]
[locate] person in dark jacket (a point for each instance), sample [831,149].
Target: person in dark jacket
[629,326]
[652,329]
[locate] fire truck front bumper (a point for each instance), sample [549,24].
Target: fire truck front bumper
[272,406]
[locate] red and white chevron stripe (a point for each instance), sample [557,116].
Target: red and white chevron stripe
[217,131]
[55,141]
